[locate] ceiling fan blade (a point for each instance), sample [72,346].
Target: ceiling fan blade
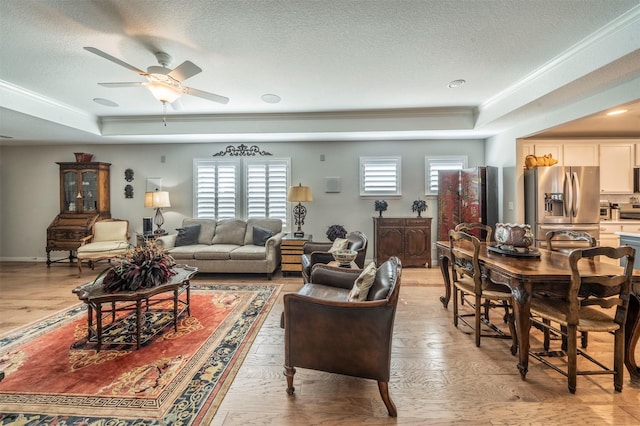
[115,60]
[205,95]
[121,84]
[185,70]
[176,105]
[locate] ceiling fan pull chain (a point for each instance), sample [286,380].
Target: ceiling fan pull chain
[164,113]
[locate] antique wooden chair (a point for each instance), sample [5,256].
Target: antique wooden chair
[564,241]
[480,230]
[586,307]
[483,233]
[318,252]
[109,239]
[468,280]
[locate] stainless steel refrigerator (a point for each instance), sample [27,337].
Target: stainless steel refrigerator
[559,197]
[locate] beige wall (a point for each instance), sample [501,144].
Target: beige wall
[29,189]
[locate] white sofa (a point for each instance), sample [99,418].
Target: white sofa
[227,246]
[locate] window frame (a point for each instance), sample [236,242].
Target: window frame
[371,160]
[429,160]
[242,166]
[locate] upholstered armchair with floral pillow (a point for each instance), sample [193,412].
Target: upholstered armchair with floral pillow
[321,252]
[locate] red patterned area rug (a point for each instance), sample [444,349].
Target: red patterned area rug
[53,376]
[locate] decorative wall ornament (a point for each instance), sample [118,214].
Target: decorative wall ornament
[128,175]
[128,191]
[242,151]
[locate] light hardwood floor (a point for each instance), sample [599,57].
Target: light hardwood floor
[438,375]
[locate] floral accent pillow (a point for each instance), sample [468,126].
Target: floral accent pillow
[363,283]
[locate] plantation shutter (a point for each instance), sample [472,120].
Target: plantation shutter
[435,164]
[380,176]
[215,189]
[266,188]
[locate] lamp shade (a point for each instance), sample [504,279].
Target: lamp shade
[163,92]
[299,194]
[157,199]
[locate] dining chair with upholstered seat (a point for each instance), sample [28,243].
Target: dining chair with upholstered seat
[468,280]
[590,304]
[565,240]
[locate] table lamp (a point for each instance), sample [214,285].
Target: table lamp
[299,194]
[157,200]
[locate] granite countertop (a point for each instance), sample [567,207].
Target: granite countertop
[620,222]
[628,234]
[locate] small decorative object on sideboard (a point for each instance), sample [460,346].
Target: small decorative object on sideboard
[83,157]
[336,231]
[344,257]
[419,206]
[380,206]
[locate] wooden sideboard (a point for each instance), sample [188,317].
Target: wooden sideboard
[408,238]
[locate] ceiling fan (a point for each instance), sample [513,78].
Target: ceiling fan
[164,83]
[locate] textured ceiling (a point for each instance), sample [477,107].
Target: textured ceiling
[343,69]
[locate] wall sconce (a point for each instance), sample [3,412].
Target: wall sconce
[157,200]
[299,194]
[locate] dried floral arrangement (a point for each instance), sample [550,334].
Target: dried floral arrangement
[380,206]
[419,206]
[336,231]
[141,267]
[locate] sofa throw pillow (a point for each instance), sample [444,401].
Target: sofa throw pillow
[339,244]
[187,235]
[363,283]
[230,231]
[261,235]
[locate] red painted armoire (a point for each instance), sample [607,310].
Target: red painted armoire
[468,195]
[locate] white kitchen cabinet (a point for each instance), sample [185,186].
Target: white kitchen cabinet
[637,154]
[607,236]
[609,239]
[616,168]
[633,228]
[581,154]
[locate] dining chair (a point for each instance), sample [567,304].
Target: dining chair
[482,232]
[587,306]
[477,229]
[564,240]
[468,280]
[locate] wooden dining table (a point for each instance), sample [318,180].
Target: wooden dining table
[548,272]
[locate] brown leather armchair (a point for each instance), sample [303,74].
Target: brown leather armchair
[324,331]
[318,252]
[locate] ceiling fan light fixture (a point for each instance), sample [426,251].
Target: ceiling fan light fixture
[164,92]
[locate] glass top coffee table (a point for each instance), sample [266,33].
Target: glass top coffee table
[147,311]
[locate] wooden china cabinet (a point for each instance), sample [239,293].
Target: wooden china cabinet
[84,199]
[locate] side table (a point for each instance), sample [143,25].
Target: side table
[141,239]
[292,249]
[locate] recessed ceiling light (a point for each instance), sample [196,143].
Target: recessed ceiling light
[271,99]
[456,83]
[617,111]
[105,102]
